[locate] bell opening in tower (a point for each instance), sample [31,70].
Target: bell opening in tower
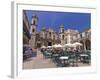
[33,30]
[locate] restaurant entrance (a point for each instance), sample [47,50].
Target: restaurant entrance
[49,43]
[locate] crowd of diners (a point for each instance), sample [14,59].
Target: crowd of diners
[67,57]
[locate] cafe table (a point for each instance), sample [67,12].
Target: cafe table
[83,56]
[64,59]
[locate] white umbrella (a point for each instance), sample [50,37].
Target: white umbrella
[57,46]
[77,44]
[54,45]
[43,47]
[49,47]
[69,45]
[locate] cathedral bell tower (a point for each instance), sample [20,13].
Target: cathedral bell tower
[33,30]
[62,34]
[33,24]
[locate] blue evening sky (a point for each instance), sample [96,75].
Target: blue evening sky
[70,20]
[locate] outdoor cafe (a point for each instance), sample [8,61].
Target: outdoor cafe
[66,55]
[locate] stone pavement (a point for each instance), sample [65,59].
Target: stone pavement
[38,62]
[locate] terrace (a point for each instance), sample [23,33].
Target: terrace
[54,57]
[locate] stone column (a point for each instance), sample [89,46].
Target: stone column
[84,45]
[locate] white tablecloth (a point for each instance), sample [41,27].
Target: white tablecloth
[64,57]
[84,55]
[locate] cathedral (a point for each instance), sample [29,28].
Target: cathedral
[48,37]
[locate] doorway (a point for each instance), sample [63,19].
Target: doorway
[49,43]
[38,45]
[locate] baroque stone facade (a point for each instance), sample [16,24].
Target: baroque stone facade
[26,29]
[49,37]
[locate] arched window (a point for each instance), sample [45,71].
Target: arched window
[53,36]
[50,34]
[63,30]
[63,37]
[66,41]
[33,30]
[34,22]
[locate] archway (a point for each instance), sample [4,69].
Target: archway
[88,44]
[49,43]
[82,47]
[38,45]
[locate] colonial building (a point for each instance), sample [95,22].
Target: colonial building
[85,39]
[26,29]
[49,37]
[68,36]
